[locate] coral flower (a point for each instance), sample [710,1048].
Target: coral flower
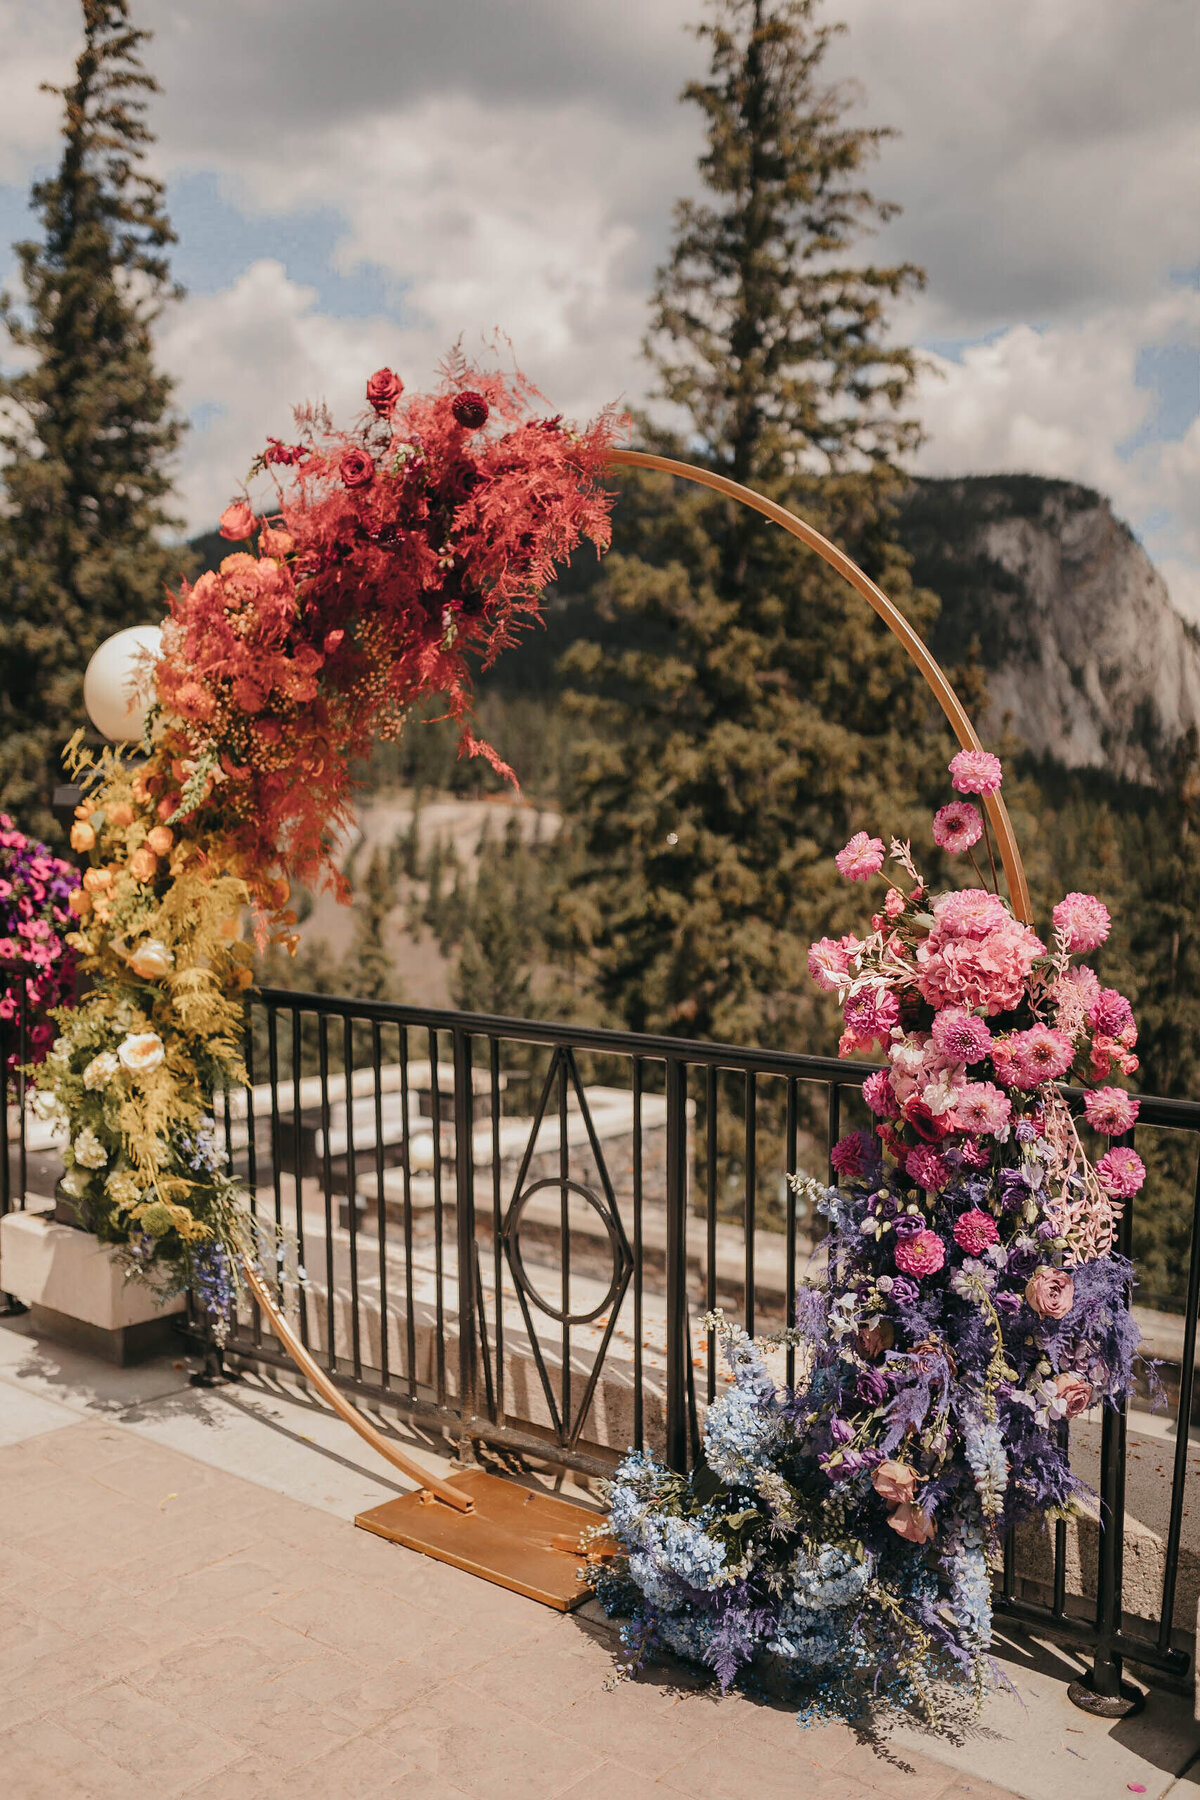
[1111,1110]
[976,772]
[861,858]
[1041,1054]
[1121,1172]
[1075,1391]
[922,1254]
[1111,1014]
[384,389]
[895,1482]
[828,963]
[911,1523]
[237,521]
[957,827]
[1085,921]
[83,836]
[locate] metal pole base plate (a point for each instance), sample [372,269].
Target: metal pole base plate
[1106,1706]
[518,1538]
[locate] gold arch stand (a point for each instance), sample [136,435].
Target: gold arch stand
[518,1537]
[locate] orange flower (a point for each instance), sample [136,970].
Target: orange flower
[160,839]
[83,837]
[121,814]
[167,805]
[96,880]
[143,864]
[80,902]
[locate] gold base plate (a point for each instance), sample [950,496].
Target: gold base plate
[518,1538]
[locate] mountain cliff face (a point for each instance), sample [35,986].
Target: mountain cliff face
[1086,658]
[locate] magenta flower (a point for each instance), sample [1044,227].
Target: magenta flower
[974,1231]
[976,772]
[1039,1054]
[1121,1172]
[927,1168]
[851,1155]
[861,858]
[879,1094]
[1085,921]
[960,1036]
[922,1254]
[1111,1110]
[1111,1014]
[957,827]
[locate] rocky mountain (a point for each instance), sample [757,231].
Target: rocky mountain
[1086,658]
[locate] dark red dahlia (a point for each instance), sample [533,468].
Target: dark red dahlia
[470,409]
[286,454]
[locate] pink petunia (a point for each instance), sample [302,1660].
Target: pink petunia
[1121,1172]
[1111,1110]
[957,827]
[1085,921]
[861,858]
[982,1109]
[922,1254]
[974,1230]
[976,772]
[960,1036]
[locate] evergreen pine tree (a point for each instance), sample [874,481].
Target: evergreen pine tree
[1165,935]
[749,711]
[370,968]
[86,430]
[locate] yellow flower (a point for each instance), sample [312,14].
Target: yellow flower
[83,837]
[143,865]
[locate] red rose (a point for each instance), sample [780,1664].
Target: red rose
[357,469]
[237,521]
[383,390]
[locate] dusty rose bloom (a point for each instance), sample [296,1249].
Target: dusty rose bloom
[912,1523]
[1076,1392]
[1051,1293]
[873,1339]
[894,1482]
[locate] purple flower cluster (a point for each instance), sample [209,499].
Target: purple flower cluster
[35,917]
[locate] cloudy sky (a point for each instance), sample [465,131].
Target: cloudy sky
[361,181]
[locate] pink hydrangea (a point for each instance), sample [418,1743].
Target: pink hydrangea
[922,1254]
[927,1168]
[977,956]
[861,858]
[1039,1054]
[829,962]
[970,913]
[1111,1110]
[960,1036]
[879,1096]
[1085,921]
[851,1155]
[957,827]
[976,772]
[1111,1014]
[1121,1172]
[974,1231]
[982,1109]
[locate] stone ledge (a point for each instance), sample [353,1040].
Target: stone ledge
[77,1291]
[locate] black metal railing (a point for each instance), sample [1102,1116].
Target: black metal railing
[512,1230]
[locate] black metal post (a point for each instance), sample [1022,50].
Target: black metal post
[677,1344]
[464,1185]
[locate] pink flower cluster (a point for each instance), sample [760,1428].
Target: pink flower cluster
[977,956]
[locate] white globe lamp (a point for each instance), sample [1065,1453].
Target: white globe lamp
[118,688]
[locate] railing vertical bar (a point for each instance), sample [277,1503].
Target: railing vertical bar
[327,1195]
[352,1195]
[1059,1601]
[833,1128]
[252,1157]
[1105,1677]
[791,1151]
[5,1148]
[710,1219]
[564,1172]
[273,1078]
[298,1175]
[1008,1576]
[676,1249]
[22,1090]
[750,1209]
[410,1321]
[464,1206]
[497,1228]
[435,1101]
[639,1398]
[385,1378]
[1183,1426]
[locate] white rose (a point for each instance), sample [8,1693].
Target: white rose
[44,1105]
[142,1051]
[89,1151]
[152,960]
[75,1182]
[101,1070]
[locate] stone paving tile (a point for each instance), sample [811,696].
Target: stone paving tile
[648,1740]
[490,1751]
[43,1761]
[150,1741]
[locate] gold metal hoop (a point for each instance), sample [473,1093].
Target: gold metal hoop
[897,624]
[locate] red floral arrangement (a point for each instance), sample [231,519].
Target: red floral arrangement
[397,558]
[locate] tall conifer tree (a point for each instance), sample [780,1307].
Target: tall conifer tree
[86,427]
[749,709]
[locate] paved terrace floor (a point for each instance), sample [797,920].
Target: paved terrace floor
[186,1609]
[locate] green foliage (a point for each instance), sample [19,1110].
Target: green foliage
[503,928]
[742,710]
[87,429]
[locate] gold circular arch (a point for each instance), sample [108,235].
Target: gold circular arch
[893,618]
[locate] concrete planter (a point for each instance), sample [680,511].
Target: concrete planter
[77,1292]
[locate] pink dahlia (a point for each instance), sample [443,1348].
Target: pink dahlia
[851,1155]
[870,1017]
[982,1109]
[879,1095]
[862,857]
[974,1231]
[1121,1171]
[1111,1110]
[1040,1054]
[974,1155]
[1085,921]
[1111,1014]
[976,772]
[927,1168]
[829,963]
[957,827]
[960,1036]
[922,1254]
